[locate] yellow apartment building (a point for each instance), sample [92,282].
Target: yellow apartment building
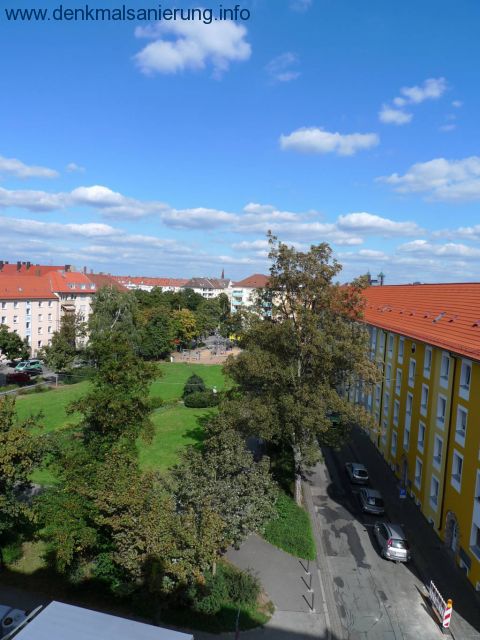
[426,408]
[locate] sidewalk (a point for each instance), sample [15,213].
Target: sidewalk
[282,578]
[432,559]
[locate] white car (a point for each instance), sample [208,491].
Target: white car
[10,619]
[357,472]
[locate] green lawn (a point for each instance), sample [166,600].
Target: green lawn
[175,425]
[291,530]
[175,374]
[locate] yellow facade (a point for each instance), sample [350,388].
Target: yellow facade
[426,413]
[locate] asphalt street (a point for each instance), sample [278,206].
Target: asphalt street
[373,598]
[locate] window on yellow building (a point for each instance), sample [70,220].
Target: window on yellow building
[401,348]
[418,473]
[444,369]
[421,437]
[457,468]
[437,452]
[461,427]
[465,379]
[390,345]
[396,411]
[441,411]
[388,375]
[427,363]
[393,447]
[424,400]
[411,372]
[398,382]
[434,488]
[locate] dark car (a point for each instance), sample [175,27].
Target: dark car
[357,472]
[18,377]
[371,501]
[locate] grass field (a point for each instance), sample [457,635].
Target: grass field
[175,425]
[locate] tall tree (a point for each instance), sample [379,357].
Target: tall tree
[184,326]
[156,332]
[11,345]
[225,475]
[60,353]
[295,364]
[20,453]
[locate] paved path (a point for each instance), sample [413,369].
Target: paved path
[282,577]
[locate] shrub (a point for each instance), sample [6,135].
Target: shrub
[193,385]
[243,587]
[155,403]
[12,552]
[201,399]
[228,587]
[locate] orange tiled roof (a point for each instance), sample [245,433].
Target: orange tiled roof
[70,281]
[151,282]
[444,315]
[11,269]
[104,280]
[25,288]
[256,281]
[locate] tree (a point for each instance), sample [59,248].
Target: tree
[60,353]
[225,474]
[156,333]
[290,376]
[194,384]
[11,345]
[184,326]
[20,453]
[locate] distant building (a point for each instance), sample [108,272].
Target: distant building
[208,287]
[144,283]
[243,293]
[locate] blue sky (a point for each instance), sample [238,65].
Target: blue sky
[171,148]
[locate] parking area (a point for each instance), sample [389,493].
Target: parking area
[374,597]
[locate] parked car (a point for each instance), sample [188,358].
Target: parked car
[371,501]
[17,377]
[30,366]
[392,541]
[10,619]
[357,472]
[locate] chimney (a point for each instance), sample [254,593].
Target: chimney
[29,264]
[19,265]
[223,274]
[67,268]
[381,278]
[1,264]
[85,270]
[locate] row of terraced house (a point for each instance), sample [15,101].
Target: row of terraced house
[425,340]
[33,298]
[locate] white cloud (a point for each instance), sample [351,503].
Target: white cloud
[73,167]
[192,45]
[18,169]
[197,218]
[450,249]
[280,68]
[32,200]
[441,179]
[431,89]
[301,5]
[457,104]
[315,140]
[368,223]
[447,127]
[389,115]
[259,212]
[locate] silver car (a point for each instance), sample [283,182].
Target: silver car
[392,541]
[371,501]
[357,472]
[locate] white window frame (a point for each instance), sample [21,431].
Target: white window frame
[388,374]
[456,478]
[434,494]
[464,390]
[421,442]
[441,421]
[394,443]
[418,473]
[406,437]
[412,366]
[386,403]
[444,369]
[460,434]
[401,349]
[424,400]
[398,382]
[391,339]
[428,358]
[437,459]
[396,412]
